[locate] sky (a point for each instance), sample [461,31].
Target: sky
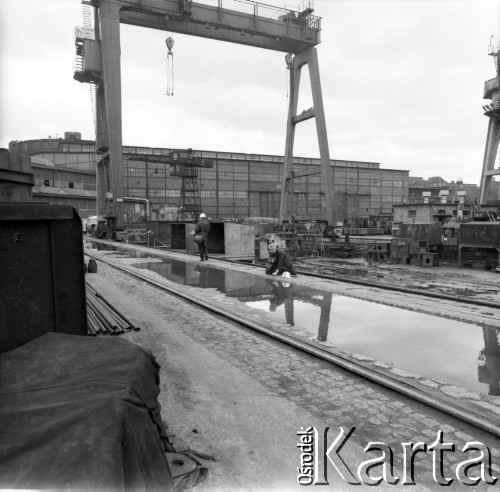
[402,84]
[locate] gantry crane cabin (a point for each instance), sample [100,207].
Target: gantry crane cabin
[295,33]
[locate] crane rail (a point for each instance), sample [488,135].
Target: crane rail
[378,285]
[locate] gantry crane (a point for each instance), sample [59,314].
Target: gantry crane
[295,33]
[185,164]
[492,111]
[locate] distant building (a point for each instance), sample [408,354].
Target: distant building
[436,200]
[238,186]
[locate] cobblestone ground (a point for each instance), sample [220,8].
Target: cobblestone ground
[242,397]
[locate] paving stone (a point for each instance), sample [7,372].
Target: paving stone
[465,437]
[361,357]
[405,374]
[457,392]
[429,382]
[488,406]
[430,422]
[334,413]
[446,429]
[430,433]
[396,404]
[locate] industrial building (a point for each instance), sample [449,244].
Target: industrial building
[238,185]
[436,200]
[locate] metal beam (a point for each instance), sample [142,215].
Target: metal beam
[309,172]
[287,30]
[490,154]
[305,115]
[309,57]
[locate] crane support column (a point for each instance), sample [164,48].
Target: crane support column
[109,28]
[490,154]
[492,111]
[309,57]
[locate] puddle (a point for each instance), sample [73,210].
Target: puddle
[462,354]
[465,355]
[116,251]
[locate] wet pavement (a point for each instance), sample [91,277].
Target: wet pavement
[242,398]
[444,349]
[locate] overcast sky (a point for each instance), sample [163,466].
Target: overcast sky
[402,84]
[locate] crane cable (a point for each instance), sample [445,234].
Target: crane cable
[288,75]
[170,66]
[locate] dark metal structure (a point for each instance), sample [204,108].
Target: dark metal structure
[42,279]
[252,24]
[185,164]
[492,111]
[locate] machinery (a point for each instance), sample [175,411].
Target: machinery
[295,33]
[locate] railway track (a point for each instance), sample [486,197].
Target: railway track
[379,285]
[455,410]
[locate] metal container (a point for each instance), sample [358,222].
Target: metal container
[42,279]
[431,232]
[481,234]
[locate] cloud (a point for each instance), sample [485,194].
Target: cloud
[402,84]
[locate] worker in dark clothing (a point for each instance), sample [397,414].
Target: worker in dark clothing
[280,262]
[203,228]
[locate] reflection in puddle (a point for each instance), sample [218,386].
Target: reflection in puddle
[116,251]
[460,353]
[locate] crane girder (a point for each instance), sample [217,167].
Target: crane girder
[289,32]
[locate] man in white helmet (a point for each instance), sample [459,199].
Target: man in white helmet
[280,262]
[203,228]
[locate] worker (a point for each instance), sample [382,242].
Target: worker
[280,262]
[203,228]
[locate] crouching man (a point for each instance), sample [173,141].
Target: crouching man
[280,262]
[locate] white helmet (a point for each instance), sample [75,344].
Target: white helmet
[203,216]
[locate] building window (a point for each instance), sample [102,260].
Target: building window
[46,182]
[71,185]
[412,213]
[441,211]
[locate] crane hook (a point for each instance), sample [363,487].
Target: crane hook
[170,43]
[170,66]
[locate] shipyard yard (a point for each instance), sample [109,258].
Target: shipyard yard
[243,396]
[194,298]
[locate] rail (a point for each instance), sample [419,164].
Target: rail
[478,420]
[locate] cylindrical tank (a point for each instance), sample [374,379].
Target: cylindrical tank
[72,136]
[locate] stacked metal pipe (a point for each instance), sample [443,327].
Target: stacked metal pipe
[103,318]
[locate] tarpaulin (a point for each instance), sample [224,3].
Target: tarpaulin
[81,413]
